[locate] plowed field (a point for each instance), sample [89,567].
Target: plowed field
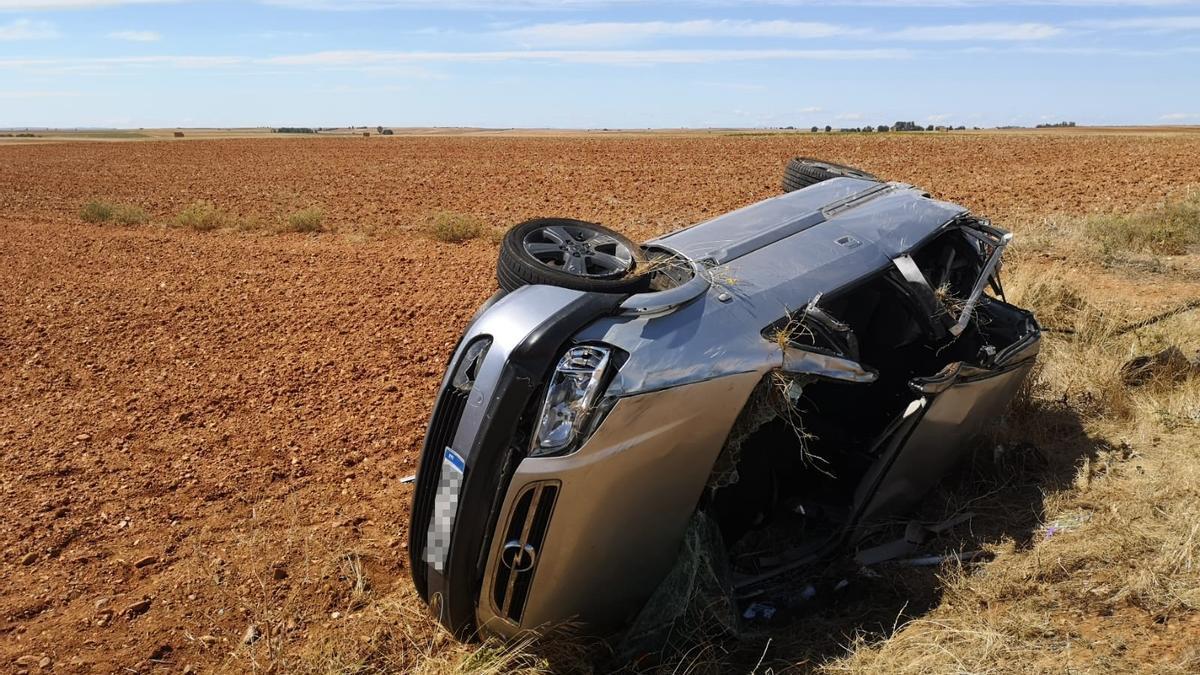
[202,435]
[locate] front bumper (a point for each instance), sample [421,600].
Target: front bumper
[470,453]
[618,509]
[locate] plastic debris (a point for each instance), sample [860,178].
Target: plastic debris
[759,611]
[1065,523]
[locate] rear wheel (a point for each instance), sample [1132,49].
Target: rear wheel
[572,254]
[802,172]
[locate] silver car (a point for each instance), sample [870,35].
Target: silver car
[792,372]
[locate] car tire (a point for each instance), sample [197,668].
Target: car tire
[571,254]
[802,172]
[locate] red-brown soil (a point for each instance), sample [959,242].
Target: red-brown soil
[205,432]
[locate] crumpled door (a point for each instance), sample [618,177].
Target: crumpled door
[960,402]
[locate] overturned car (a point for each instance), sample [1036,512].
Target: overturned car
[793,372]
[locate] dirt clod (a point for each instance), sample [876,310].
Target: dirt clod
[137,608]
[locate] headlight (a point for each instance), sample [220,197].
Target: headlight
[569,398]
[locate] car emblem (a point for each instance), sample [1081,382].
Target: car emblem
[518,557]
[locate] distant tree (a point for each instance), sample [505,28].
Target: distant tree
[929,128]
[379,129]
[881,128]
[815,130]
[828,128]
[387,132]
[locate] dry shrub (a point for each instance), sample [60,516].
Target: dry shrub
[203,216]
[453,228]
[98,211]
[126,214]
[311,219]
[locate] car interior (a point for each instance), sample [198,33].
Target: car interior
[799,464]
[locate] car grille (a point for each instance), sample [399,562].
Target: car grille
[522,543]
[442,428]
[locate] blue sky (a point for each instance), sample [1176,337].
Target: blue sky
[597,63]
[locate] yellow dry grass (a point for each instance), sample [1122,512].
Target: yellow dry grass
[455,228]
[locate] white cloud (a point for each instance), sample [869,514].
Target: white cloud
[27,29]
[110,61]
[615,32]
[34,5]
[36,94]
[735,86]
[610,57]
[386,61]
[978,31]
[280,35]
[1151,24]
[136,35]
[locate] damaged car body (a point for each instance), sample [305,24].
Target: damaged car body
[794,371]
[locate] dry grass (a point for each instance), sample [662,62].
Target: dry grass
[1166,229]
[311,219]
[455,228]
[98,211]
[203,216]
[302,598]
